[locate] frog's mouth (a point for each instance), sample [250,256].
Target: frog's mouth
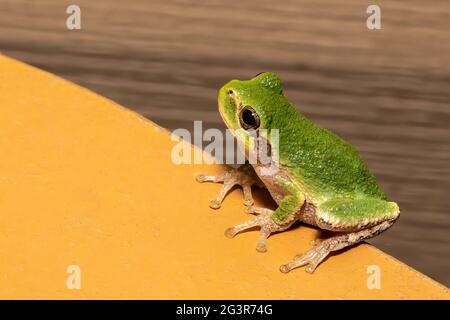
[223,117]
[227,110]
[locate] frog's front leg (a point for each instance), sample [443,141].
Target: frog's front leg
[243,176]
[270,221]
[361,219]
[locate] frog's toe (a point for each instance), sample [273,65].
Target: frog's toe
[263,235]
[248,197]
[255,222]
[215,204]
[217,201]
[311,259]
[266,224]
[230,233]
[201,177]
[261,247]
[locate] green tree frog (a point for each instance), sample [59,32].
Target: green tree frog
[320,179]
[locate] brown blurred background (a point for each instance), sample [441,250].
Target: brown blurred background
[386,91]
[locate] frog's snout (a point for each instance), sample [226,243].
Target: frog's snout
[231,93]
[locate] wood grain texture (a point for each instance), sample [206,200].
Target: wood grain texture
[385,91]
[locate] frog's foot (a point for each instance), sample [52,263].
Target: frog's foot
[243,176]
[312,258]
[262,220]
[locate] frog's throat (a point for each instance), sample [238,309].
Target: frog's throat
[262,154]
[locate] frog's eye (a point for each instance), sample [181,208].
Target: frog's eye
[248,118]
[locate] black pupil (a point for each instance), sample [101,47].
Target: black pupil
[248,118]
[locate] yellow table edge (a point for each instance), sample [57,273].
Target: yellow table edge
[85,182]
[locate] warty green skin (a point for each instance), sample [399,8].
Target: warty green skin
[322,168]
[313,175]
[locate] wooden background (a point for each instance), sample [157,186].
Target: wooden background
[386,91]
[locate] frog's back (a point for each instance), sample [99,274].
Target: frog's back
[323,163]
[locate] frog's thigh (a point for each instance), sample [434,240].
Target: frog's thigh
[355,214]
[360,219]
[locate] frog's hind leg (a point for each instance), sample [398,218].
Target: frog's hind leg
[243,176]
[361,219]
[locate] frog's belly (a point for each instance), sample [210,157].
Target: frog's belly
[268,176]
[306,214]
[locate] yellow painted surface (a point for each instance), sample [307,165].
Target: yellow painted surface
[86,182]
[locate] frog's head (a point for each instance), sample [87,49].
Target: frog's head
[248,105]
